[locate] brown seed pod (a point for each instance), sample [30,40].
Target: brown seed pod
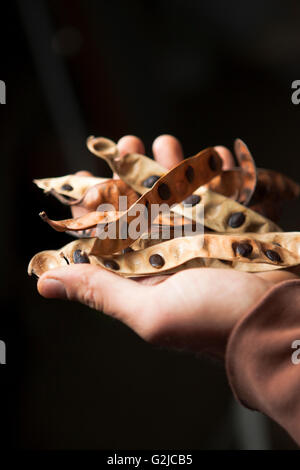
[141,172]
[237,183]
[92,219]
[108,192]
[219,212]
[274,186]
[172,253]
[89,220]
[173,187]
[248,167]
[133,168]
[73,187]
[181,253]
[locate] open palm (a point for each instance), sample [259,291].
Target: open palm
[194,309]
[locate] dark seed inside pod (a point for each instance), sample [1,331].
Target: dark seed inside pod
[149,182]
[111,264]
[192,200]
[156,261]
[164,191]
[67,187]
[273,256]
[190,174]
[80,257]
[212,163]
[127,250]
[244,249]
[236,219]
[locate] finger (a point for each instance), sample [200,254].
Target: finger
[280,275]
[129,144]
[83,173]
[121,298]
[167,151]
[227,157]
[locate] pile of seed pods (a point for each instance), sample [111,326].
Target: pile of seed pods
[207,216]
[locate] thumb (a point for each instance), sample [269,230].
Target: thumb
[102,290]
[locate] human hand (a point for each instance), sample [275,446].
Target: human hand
[195,309]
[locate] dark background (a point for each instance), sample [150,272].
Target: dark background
[205,71]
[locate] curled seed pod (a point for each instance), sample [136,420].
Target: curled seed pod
[275,186]
[109,192]
[247,164]
[172,254]
[45,261]
[217,212]
[203,173]
[87,221]
[61,187]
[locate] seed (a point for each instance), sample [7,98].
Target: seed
[236,220]
[80,257]
[190,174]
[149,182]
[212,163]
[156,261]
[111,264]
[67,187]
[192,200]
[127,250]
[164,191]
[244,249]
[273,256]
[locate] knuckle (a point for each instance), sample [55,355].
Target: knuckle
[89,299]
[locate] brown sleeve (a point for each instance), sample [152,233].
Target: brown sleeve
[259,353]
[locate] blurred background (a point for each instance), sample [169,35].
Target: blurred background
[207,72]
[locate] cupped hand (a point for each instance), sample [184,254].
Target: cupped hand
[195,309]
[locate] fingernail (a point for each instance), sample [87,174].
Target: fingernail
[52,289]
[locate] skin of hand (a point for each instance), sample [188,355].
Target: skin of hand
[195,309]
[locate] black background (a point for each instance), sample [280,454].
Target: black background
[207,72]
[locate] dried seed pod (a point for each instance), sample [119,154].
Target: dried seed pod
[141,172]
[45,261]
[133,168]
[109,192]
[181,253]
[93,219]
[171,254]
[248,167]
[237,183]
[73,187]
[220,214]
[171,188]
[274,186]
[89,220]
